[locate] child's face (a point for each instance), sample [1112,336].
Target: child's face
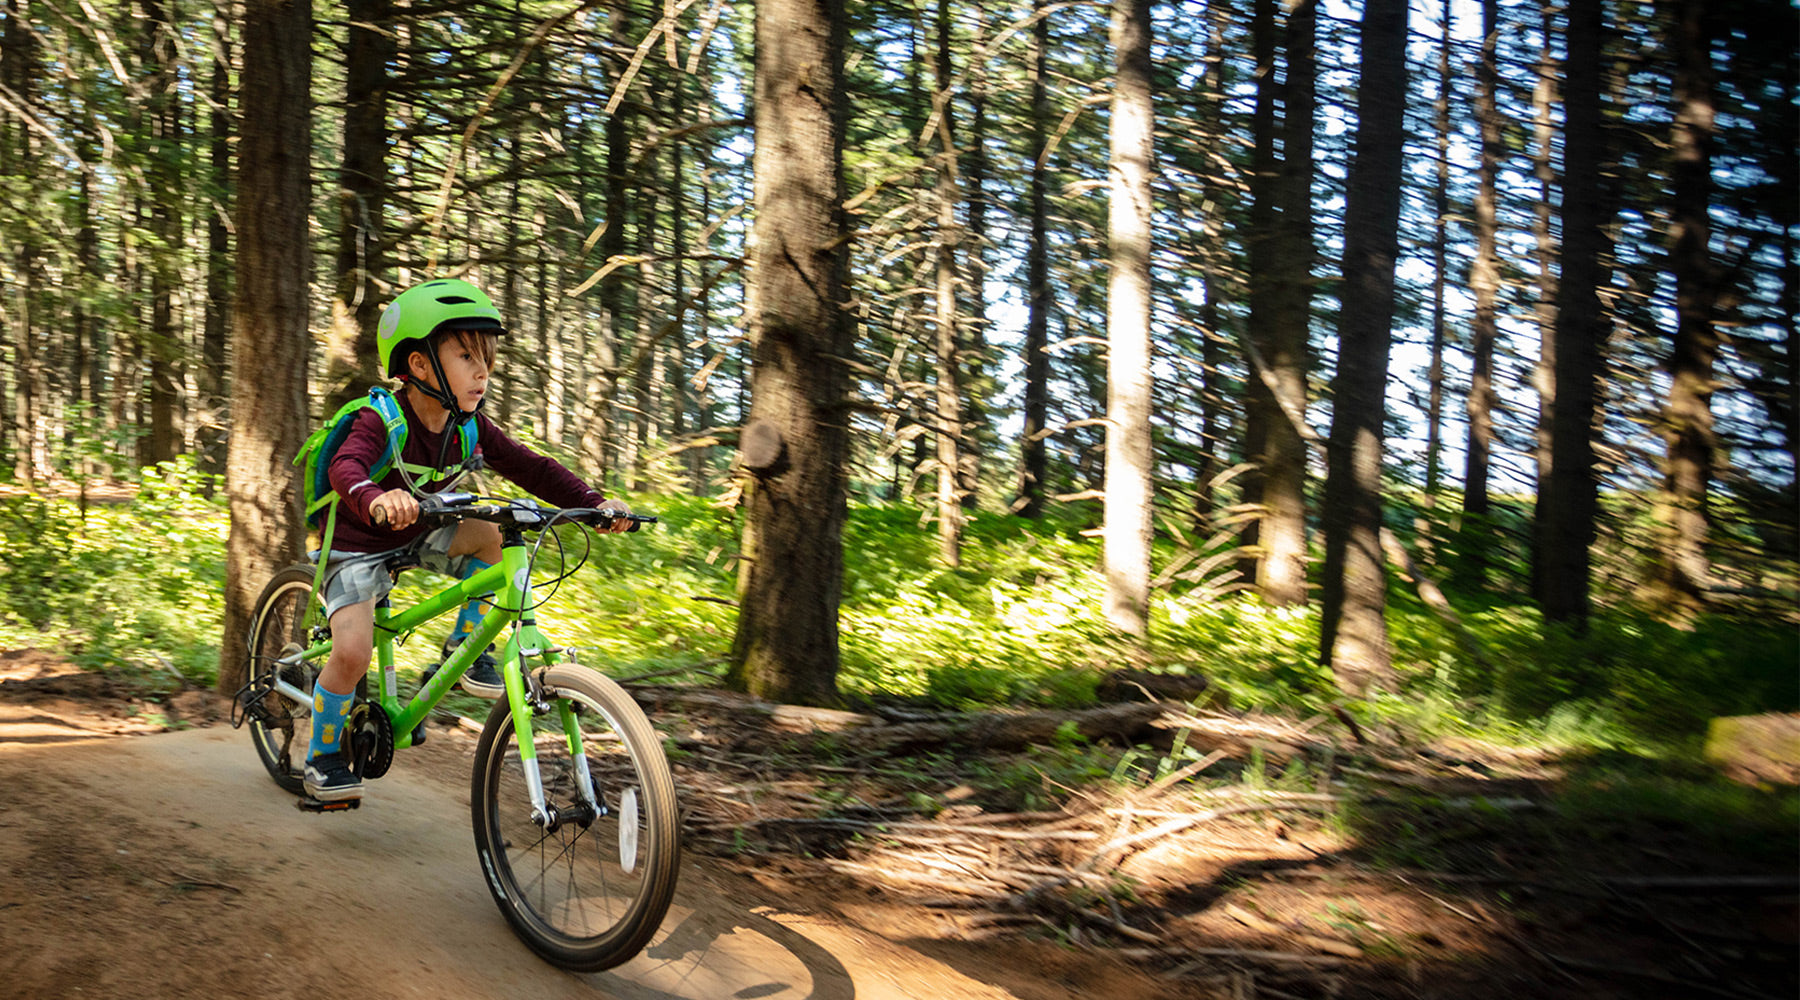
[464,368]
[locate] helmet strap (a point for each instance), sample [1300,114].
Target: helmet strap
[439,393]
[443,396]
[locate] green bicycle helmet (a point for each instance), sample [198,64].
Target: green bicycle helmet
[422,310]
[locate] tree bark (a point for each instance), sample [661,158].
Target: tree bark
[268,389]
[352,361]
[1262,412]
[162,171]
[1440,278]
[1353,633]
[786,647]
[21,60]
[1484,280]
[211,441]
[1036,467]
[1681,573]
[1209,101]
[978,385]
[949,389]
[1568,501]
[1543,146]
[1129,388]
[1283,570]
[597,439]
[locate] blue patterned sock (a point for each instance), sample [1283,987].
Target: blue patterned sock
[330,709]
[469,618]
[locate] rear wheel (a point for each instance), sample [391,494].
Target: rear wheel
[281,626]
[586,889]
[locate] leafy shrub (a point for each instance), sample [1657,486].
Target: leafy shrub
[1019,623]
[125,587]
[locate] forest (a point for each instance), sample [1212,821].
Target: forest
[1459,335]
[1262,499]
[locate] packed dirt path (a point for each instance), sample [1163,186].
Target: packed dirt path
[169,865]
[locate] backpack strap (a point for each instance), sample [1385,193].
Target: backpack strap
[467,436]
[388,408]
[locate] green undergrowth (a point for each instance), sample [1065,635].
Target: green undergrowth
[133,588]
[1018,623]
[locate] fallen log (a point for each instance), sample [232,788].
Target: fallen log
[1144,685]
[1129,723]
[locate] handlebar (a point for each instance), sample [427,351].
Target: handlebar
[523,513]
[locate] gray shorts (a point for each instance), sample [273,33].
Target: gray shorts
[359,577]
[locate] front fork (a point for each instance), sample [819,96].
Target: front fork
[527,700]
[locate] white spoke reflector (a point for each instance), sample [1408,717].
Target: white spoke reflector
[628,829]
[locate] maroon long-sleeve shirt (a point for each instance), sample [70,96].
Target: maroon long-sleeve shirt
[541,476]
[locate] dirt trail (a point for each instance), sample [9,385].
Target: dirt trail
[169,865]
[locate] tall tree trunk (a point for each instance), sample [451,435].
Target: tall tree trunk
[1484,280]
[1353,633]
[210,443]
[1568,500]
[163,173]
[1440,279]
[949,390]
[786,647]
[268,387]
[1681,573]
[20,59]
[1035,451]
[85,373]
[549,334]
[598,436]
[351,358]
[1129,387]
[693,459]
[1262,411]
[1543,157]
[978,387]
[1208,103]
[1784,405]
[647,349]
[1283,569]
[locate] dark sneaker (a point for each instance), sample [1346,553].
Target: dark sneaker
[328,779]
[483,678]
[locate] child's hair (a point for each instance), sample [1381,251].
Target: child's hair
[484,343]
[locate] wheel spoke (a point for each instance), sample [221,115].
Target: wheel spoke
[567,891]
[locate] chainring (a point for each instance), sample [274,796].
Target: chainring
[369,735]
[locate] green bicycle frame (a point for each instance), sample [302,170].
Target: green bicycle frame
[510,583]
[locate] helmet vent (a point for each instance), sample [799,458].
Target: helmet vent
[456,300]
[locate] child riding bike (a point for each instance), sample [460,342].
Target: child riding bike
[439,339]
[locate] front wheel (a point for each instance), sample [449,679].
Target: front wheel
[587,887]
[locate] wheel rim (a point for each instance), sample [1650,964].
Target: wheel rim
[581,886]
[282,622]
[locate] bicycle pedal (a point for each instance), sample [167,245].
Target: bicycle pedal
[307,803]
[418,736]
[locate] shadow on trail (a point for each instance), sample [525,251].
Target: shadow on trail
[713,954]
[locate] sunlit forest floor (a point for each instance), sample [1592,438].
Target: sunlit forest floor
[1536,821]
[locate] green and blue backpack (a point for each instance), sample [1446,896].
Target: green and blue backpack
[319,499]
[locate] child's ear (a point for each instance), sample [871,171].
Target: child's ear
[417,363]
